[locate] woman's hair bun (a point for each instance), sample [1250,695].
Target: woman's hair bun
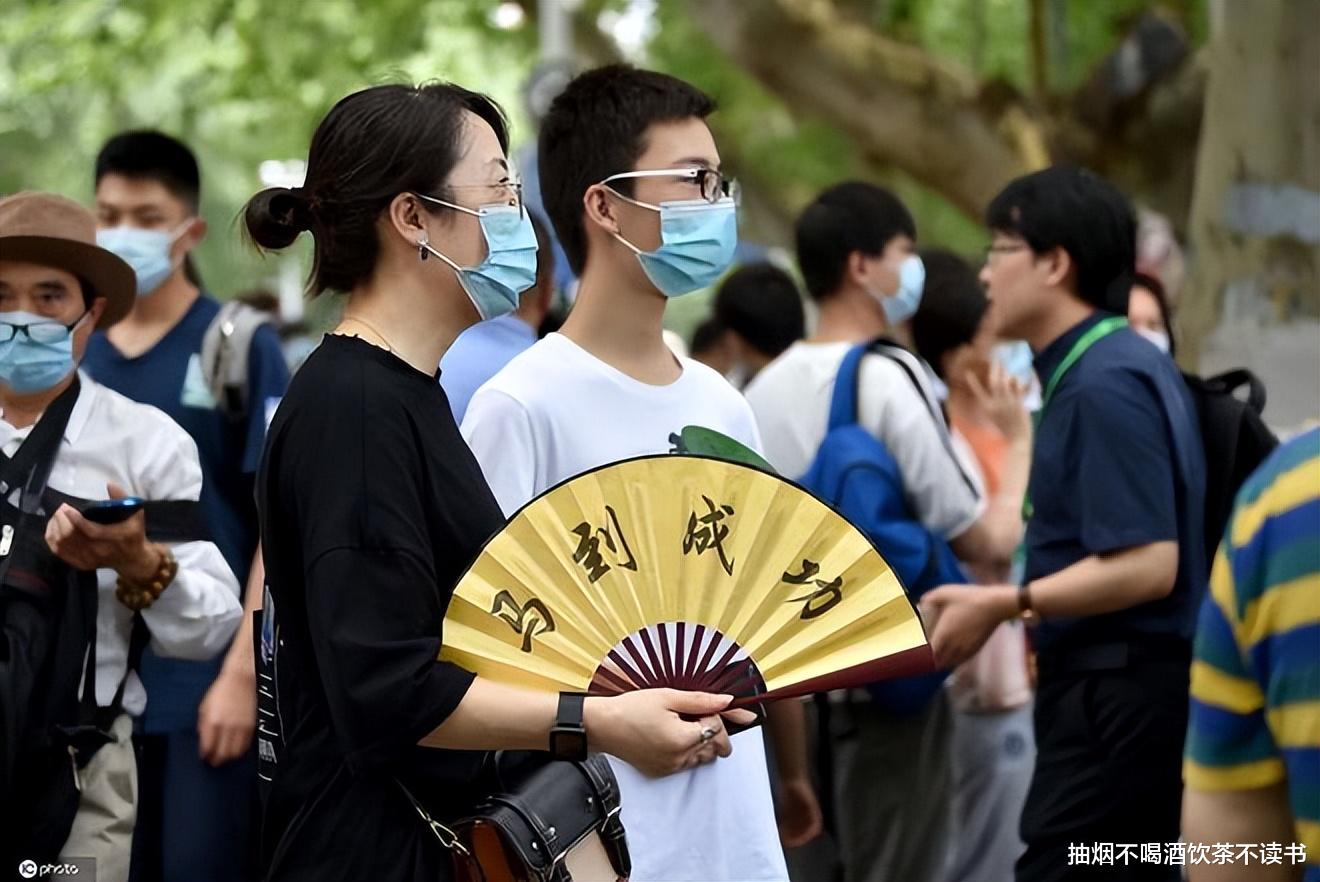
[274,217]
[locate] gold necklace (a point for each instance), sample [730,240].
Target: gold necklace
[389,347]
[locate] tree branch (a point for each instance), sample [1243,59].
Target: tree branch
[904,106]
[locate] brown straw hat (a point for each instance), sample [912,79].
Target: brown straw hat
[51,230]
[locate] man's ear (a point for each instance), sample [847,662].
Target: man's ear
[1059,266]
[83,333]
[857,270]
[196,232]
[600,209]
[97,309]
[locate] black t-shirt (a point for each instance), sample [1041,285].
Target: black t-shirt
[372,507]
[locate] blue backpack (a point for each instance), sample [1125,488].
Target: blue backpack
[855,473]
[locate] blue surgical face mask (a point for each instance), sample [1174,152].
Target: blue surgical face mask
[1017,361]
[697,241]
[509,269]
[28,366]
[146,251]
[902,305]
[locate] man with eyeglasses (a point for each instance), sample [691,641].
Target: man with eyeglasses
[67,443]
[630,177]
[1115,560]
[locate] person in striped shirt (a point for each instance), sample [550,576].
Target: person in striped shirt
[1253,744]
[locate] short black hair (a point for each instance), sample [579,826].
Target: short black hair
[151,155]
[596,128]
[848,217]
[372,145]
[760,302]
[706,336]
[1085,215]
[953,305]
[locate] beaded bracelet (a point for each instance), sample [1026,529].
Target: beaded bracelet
[138,596]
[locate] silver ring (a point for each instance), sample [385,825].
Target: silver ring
[707,734]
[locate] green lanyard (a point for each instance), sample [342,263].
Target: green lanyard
[1101,330]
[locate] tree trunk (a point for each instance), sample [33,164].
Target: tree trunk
[962,137]
[1254,296]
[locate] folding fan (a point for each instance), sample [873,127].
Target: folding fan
[688,572]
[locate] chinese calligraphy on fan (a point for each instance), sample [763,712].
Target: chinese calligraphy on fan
[588,554]
[826,596]
[527,620]
[708,531]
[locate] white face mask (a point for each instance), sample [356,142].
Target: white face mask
[1158,338]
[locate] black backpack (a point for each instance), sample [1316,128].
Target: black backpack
[1235,438]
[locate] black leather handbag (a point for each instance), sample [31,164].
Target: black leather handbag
[543,821]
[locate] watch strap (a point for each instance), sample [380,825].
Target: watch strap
[569,715]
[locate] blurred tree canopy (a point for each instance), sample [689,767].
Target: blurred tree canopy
[940,99]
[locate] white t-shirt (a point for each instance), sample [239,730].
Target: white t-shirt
[112,439]
[791,399]
[556,411]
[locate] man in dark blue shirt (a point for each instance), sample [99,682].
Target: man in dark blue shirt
[197,769]
[1115,563]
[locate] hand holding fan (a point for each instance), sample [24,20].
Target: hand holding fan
[686,572]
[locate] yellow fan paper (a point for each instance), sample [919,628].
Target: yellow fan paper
[687,572]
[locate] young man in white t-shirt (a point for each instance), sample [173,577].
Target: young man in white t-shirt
[630,178]
[855,247]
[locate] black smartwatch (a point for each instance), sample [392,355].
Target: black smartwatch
[568,738]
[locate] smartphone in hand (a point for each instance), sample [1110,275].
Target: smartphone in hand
[113,511]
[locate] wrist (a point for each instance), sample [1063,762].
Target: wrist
[142,564]
[597,719]
[1003,600]
[1026,604]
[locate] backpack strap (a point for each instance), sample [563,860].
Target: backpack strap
[226,346]
[1231,381]
[843,404]
[31,465]
[891,350]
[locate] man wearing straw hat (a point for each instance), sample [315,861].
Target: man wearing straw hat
[85,582]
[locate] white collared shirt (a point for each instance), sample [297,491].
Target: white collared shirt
[110,438]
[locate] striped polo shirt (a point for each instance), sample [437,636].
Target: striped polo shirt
[1255,710]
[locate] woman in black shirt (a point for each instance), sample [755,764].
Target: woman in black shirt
[372,507]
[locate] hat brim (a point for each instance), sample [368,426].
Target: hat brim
[107,273]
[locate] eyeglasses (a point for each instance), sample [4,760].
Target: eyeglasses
[999,248]
[39,332]
[507,193]
[712,185]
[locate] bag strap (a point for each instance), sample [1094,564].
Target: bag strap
[843,404]
[891,350]
[448,838]
[226,347]
[36,457]
[40,448]
[1230,381]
